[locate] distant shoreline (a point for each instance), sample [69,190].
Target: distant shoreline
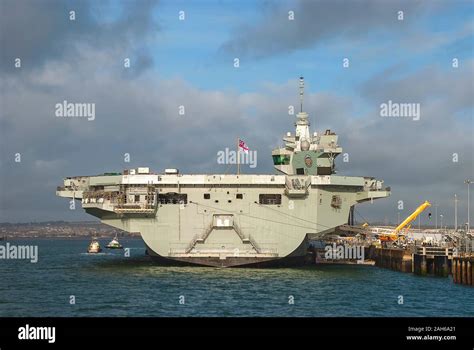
[13,237]
[63,230]
[59,222]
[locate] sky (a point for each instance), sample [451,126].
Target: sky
[354,55]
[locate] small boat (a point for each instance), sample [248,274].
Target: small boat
[94,247]
[114,244]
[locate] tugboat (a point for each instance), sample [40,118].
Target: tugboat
[114,244]
[94,247]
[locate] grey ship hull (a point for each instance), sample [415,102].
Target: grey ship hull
[223,220]
[299,257]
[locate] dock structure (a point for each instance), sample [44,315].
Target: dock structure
[463,260]
[393,259]
[434,261]
[427,261]
[462,269]
[420,260]
[425,253]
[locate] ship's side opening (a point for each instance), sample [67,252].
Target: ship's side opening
[173,198]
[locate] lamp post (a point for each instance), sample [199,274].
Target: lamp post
[468,182]
[455,212]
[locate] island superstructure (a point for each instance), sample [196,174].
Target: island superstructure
[233,220]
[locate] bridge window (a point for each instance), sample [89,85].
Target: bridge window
[281,159]
[173,198]
[324,171]
[207,196]
[269,199]
[239,196]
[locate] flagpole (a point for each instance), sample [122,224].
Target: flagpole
[238,157]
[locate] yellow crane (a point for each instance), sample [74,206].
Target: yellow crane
[406,223]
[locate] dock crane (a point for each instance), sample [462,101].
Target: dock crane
[406,223]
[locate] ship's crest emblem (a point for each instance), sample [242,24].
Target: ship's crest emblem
[308,161]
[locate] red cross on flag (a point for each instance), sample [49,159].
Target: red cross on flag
[243,147]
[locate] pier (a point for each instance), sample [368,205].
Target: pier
[432,261]
[423,261]
[451,253]
[393,259]
[427,261]
[462,269]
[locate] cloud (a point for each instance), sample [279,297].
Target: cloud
[416,157]
[40,31]
[140,116]
[424,41]
[316,22]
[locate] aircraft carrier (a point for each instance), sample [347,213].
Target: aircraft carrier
[233,220]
